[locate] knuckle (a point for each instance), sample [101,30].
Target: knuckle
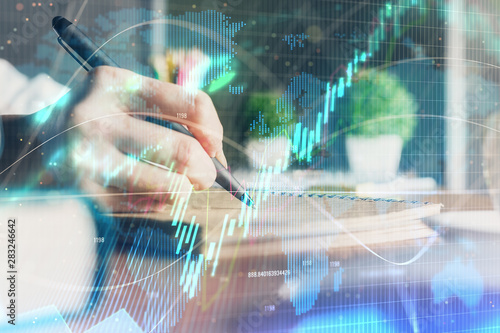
[202,106]
[102,129]
[81,149]
[201,101]
[208,177]
[192,160]
[185,148]
[103,73]
[102,78]
[219,134]
[203,98]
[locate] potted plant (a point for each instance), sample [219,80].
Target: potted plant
[378,120]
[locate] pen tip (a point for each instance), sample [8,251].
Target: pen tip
[248,201]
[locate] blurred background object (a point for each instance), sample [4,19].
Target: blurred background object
[380,119]
[491,152]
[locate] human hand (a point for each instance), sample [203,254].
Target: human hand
[108,135]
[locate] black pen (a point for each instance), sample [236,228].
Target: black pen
[89,55]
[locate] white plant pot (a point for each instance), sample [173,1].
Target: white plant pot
[374,158]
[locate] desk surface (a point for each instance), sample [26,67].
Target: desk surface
[452,285]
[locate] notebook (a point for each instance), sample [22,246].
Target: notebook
[288,222]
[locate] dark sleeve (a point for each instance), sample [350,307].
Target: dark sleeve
[20,163]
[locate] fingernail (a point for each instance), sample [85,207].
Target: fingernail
[224,160]
[221,157]
[212,153]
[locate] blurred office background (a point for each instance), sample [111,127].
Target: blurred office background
[442,54]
